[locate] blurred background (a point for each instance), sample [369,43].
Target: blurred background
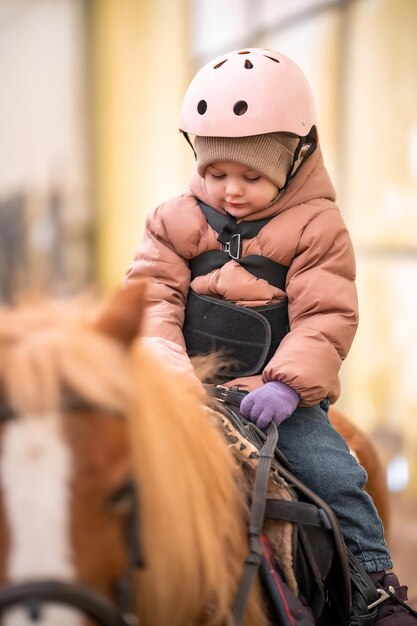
[89,108]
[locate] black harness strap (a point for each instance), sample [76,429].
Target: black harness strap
[228,230]
[225,225]
[229,235]
[261,267]
[256,521]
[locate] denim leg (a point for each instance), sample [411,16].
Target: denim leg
[321,459]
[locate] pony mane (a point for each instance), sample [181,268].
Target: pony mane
[51,347]
[192,510]
[194,532]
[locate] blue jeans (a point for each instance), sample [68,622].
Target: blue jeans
[321,459]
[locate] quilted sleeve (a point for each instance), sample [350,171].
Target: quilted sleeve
[168,274]
[323,311]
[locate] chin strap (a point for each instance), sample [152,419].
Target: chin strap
[310,144]
[187,137]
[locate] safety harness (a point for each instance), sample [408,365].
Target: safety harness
[246,336]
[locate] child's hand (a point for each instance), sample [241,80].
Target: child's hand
[172,355]
[273,402]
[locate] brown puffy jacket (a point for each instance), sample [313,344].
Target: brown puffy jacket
[306,234]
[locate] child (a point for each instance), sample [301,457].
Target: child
[255,260]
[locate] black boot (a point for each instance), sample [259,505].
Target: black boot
[392,609]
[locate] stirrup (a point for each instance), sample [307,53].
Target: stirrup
[389,593]
[383,595]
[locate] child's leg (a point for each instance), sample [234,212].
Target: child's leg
[321,459]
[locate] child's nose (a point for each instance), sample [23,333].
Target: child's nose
[233,187]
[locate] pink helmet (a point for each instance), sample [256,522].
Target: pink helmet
[248,92]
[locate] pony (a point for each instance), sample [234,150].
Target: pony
[119,498]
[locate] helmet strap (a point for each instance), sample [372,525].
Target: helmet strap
[309,142]
[190,142]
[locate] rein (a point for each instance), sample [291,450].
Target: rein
[256,522]
[94,604]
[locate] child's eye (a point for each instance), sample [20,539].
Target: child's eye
[252,180]
[217,175]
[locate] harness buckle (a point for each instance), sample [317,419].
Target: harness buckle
[233,247]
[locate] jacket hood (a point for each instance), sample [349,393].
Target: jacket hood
[310,182]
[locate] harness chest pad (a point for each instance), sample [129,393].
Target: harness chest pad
[246,338]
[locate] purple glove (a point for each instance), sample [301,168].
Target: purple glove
[273,402]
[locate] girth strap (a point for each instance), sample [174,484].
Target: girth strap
[297,512]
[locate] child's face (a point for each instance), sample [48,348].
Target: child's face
[238,190]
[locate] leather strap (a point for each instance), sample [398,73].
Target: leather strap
[88,600]
[256,520]
[232,396]
[297,512]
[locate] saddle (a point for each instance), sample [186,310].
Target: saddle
[295,543]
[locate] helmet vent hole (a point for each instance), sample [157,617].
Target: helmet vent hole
[272,58]
[240,107]
[244,52]
[219,64]
[202,107]
[248,64]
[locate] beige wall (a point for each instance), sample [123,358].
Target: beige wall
[140,72]
[44,145]
[381,195]
[360,62]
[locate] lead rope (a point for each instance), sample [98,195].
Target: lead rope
[256,522]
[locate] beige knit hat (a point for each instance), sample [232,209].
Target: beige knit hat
[271,154]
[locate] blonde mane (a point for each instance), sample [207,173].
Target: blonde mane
[192,513]
[48,348]
[195,530]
